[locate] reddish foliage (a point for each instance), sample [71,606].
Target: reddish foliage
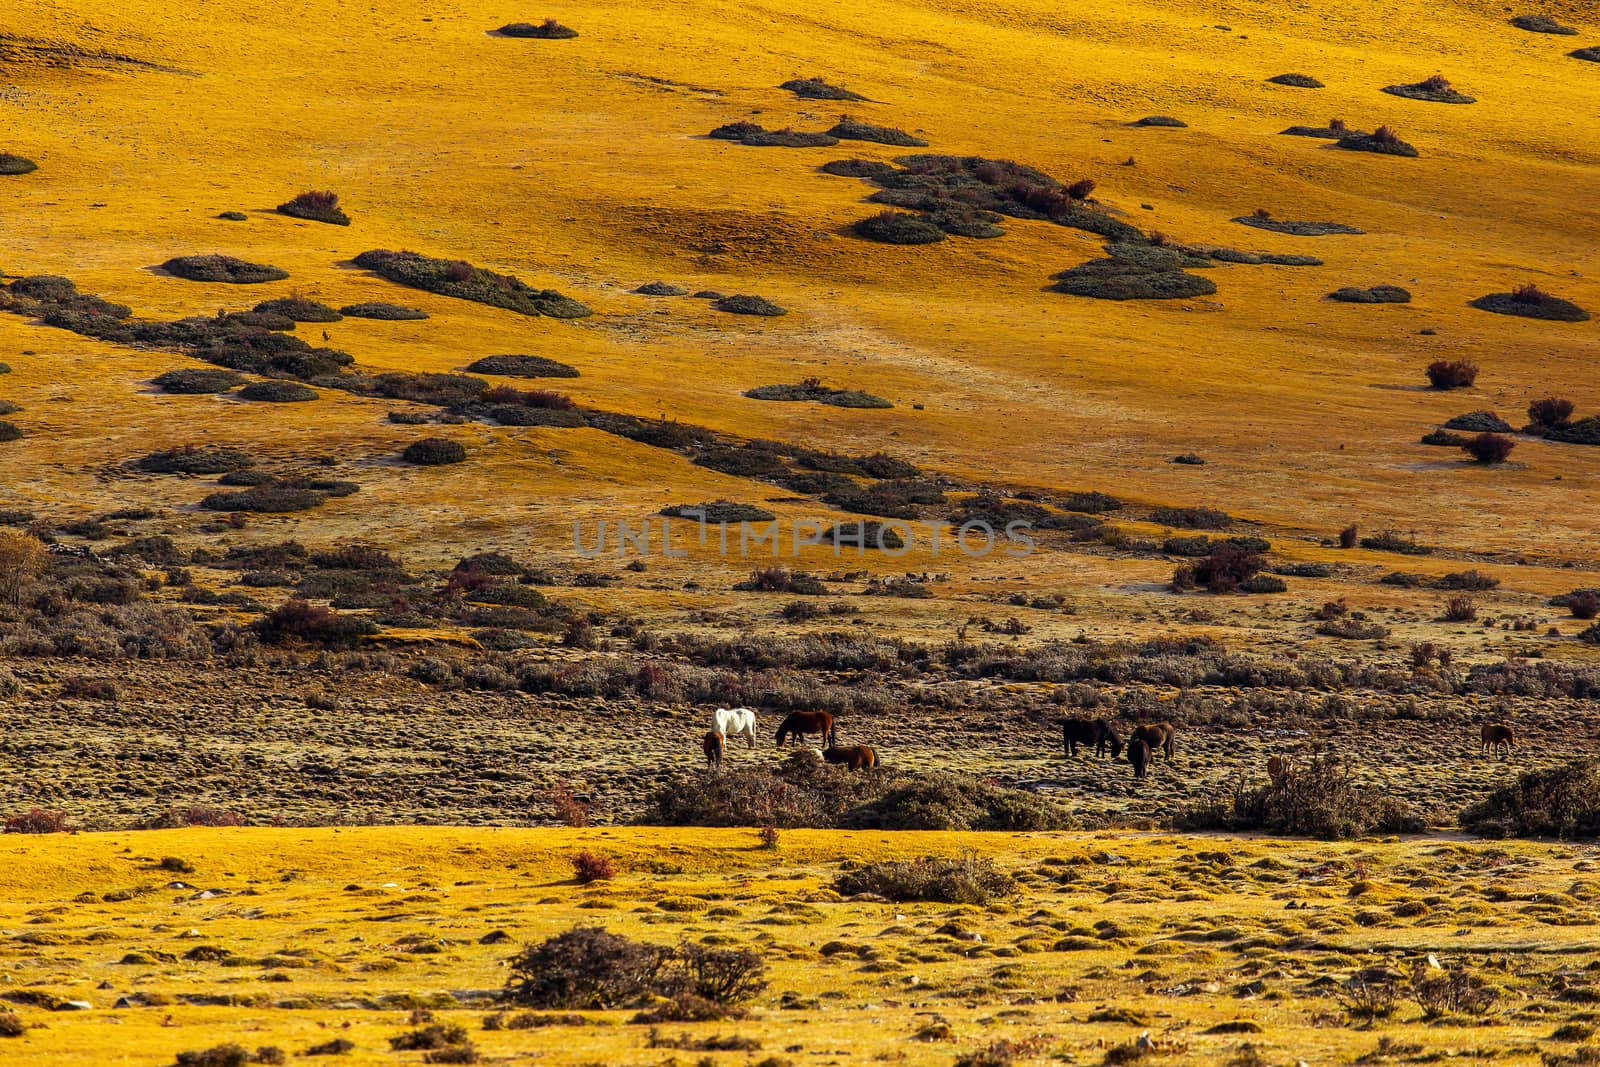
[1551,411]
[590,867]
[38,821]
[1452,374]
[1489,447]
[1347,536]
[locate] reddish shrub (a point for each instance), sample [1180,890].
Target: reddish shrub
[1045,199]
[313,623]
[1460,609]
[1529,294]
[1081,190]
[1583,605]
[1386,135]
[528,398]
[1226,568]
[1551,411]
[1489,447]
[589,867]
[1435,83]
[569,808]
[38,821]
[1347,536]
[1452,374]
[1337,125]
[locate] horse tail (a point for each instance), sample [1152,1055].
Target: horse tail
[1171,742]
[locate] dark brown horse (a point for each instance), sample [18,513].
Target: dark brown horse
[713,748]
[1139,756]
[803,723]
[1096,732]
[1158,735]
[856,757]
[1497,736]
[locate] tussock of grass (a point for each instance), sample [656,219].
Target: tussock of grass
[219,268]
[460,279]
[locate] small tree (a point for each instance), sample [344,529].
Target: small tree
[22,559]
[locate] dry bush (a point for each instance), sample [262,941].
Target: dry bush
[37,821]
[1318,797]
[1561,802]
[300,620]
[1347,536]
[434,452]
[1489,447]
[316,206]
[1460,609]
[590,968]
[569,808]
[1551,412]
[1452,374]
[968,879]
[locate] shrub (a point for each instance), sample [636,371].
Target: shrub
[1583,604]
[1561,802]
[277,391]
[9,431]
[1318,797]
[434,451]
[464,281]
[314,624]
[590,867]
[817,89]
[585,967]
[1542,24]
[1192,518]
[1531,302]
[199,380]
[967,880]
[378,309]
[218,268]
[13,164]
[195,459]
[548,30]
[297,308]
[316,207]
[1489,447]
[37,821]
[1551,411]
[1478,422]
[269,497]
[1452,374]
[849,129]
[523,367]
[569,808]
[749,305]
[10,1025]
[1227,567]
[1460,609]
[1347,536]
[1385,140]
[1389,541]
[898,228]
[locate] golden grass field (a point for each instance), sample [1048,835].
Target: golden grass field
[583,165]
[343,933]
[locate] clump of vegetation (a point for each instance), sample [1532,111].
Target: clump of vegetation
[817,89]
[1383,140]
[277,391]
[274,497]
[1262,219]
[1452,374]
[460,279]
[297,308]
[197,381]
[1542,24]
[1161,120]
[300,620]
[849,129]
[1192,518]
[858,168]
[218,268]
[37,821]
[1531,302]
[1489,447]
[1390,541]
[1298,81]
[965,880]
[377,309]
[1435,89]
[1227,568]
[1335,129]
[1317,797]
[13,164]
[1591,55]
[195,459]
[812,389]
[591,867]
[661,289]
[588,967]
[548,30]
[9,431]
[1561,802]
[1155,276]
[788,137]
[749,305]
[1550,413]
[434,452]
[1378,294]
[1583,432]
[316,207]
[1478,422]
[898,228]
[523,367]
[719,513]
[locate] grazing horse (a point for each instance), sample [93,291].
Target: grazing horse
[1497,735]
[1278,770]
[800,723]
[731,722]
[1096,732]
[713,749]
[856,757]
[1158,735]
[1139,756]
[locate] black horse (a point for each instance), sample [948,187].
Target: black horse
[1096,732]
[1139,756]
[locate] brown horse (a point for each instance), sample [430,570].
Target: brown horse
[1158,735]
[1096,732]
[802,723]
[856,757]
[1497,735]
[713,745]
[1139,756]
[1278,769]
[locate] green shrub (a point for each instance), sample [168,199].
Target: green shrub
[967,880]
[277,391]
[464,281]
[12,164]
[1559,802]
[218,268]
[377,309]
[548,30]
[1318,797]
[297,308]
[316,207]
[523,367]
[195,459]
[434,451]
[197,380]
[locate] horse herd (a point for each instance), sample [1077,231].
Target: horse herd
[1143,742]
[736,722]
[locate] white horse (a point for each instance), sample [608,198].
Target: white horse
[731,722]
